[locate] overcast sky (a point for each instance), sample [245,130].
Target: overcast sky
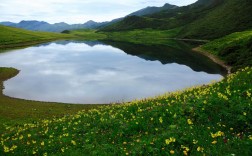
[75,11]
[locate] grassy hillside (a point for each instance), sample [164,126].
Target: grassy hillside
[234,49]
[88,34]
[143,36]
[206,19]
[228,17]
[14,37]
[207,120]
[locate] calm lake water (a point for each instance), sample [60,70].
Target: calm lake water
[96,72]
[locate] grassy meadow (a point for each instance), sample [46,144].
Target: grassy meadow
[14,37]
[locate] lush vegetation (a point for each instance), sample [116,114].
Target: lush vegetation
[207,120]
[205,19]
[144,36]
[14,37]
[88,34]
[234,49]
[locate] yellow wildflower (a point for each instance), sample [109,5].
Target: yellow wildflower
[200,149]
[21,137]
[168,141]
[73,142]
[6,149]
[189,121]
[29,135]
[172,152]
[214,142]
[160,120]
[248,94]
[250,137]
[42,143]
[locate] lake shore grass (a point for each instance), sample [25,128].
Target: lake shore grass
[15,38]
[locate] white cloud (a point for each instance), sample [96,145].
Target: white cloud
[75,11]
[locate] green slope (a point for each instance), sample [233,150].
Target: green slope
[203,19]
[13,37]
[208,120]
[234,49]
[228,17]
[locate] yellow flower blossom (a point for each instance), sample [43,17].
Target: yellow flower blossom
[248,94]
[161,120]
[73,142]
[185,148]
[200,149]
[214,142]
[172,152]
[217,134]
[42,143]
[168,141]
[6,149]
[189,121]
[250,137]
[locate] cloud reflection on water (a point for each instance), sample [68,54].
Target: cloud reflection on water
[78,73]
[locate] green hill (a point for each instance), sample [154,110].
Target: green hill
[203,19]
[14,37]
[234,49]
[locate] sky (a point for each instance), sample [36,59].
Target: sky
[75,11]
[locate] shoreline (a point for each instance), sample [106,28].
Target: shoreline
[213,58]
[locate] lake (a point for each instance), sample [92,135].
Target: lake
[104,72]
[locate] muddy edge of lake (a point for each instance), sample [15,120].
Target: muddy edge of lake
[213,58]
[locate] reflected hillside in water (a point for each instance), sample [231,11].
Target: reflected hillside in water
[165,54]
[182,54]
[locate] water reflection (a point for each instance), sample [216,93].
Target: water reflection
[94,72]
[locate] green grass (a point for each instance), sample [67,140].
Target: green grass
[14,37]
[208,120]
[88,34]
[234,49]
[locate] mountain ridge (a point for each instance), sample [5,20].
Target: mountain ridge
[204,19]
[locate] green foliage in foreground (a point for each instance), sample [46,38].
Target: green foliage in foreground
[14,37]
[234,49]
[211,120]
